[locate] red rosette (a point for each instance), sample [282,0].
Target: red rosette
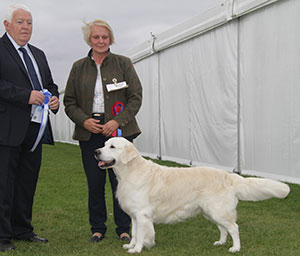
[117,108]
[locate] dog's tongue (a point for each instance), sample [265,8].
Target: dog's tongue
[101,164]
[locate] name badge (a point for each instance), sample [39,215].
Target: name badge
[37,114]
[116,86]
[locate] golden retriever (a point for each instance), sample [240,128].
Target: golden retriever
[150,193]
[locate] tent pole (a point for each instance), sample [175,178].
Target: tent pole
[159,106]
[239,163]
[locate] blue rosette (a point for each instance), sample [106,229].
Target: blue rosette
[45,109]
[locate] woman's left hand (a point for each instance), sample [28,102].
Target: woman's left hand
[109,127]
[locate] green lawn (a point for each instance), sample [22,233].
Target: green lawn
[270,227]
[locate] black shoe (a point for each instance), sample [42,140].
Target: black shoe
[96,238]
[34,238]
[6,246]
[125,237]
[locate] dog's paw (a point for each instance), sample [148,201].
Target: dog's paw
[127,246]
[137,249]
[233,249]
[217,243]
[133,250]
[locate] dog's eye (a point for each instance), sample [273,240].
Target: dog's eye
[112,146]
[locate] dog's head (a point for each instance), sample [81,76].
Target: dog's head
[117,151]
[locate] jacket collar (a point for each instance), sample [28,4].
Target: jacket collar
[15,54]
[107,57]
[13,51]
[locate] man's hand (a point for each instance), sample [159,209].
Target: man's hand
[53,103]
[36,98]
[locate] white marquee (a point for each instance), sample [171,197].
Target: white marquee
[222,89]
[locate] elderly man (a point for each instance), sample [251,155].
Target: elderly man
[24,73]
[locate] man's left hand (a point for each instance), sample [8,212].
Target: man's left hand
[54,103]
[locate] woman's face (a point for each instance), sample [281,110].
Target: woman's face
[99,39]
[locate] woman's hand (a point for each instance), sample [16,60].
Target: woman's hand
[93,125]
[110,127]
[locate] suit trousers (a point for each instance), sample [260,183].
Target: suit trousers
[96,179]
[19,170]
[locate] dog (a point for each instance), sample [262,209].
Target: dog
[150,193]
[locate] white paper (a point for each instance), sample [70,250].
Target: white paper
[116,86]
[37,114]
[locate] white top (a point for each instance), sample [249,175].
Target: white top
[98,104]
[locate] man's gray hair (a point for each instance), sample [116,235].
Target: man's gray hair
[11,9]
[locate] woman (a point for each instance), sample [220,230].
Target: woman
[102,97]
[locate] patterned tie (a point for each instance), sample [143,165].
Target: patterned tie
[31,70]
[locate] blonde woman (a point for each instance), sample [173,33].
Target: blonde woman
[102,97]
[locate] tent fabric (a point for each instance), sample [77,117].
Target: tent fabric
[193,103]
[198,103]
[224,96]
[270,86]
[148,116]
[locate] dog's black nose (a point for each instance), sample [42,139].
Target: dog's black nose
[97,152]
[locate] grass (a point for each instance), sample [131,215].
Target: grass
[60,213]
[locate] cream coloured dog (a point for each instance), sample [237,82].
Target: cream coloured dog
[150,193]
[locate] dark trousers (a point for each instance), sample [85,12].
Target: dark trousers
[96,179]
[19,170]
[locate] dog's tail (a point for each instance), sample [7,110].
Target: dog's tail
[256,189]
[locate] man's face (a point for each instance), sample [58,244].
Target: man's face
[20,27]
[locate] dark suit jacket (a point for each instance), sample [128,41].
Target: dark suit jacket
[15,89]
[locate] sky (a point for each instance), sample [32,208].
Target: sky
[57,25]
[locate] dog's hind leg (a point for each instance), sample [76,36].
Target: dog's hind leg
[144,233]
[233,230]
[223,236]
[224,215]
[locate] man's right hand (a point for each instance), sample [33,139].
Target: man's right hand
[36,98]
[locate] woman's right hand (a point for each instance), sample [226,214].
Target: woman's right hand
[92,125]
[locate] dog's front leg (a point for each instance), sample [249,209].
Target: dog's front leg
[144,231]
[133,234]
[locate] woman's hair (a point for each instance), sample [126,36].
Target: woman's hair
[86,29]
[11,9]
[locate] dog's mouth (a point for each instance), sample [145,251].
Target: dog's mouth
[106,164]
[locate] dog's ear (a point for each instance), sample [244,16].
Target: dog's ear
[129,154]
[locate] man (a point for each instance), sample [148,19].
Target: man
[23,74]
